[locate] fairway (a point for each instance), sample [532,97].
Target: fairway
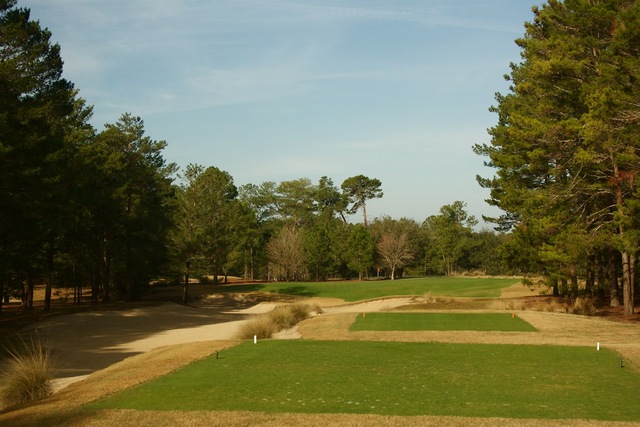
[503,322]
[485,287]
[391,378]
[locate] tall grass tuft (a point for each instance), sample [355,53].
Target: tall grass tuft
[584,306]
[259,326]
[283,317]
[551,306]
[27,373]
[508,304]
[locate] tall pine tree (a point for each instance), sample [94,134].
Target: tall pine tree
[35,105]
[565,147]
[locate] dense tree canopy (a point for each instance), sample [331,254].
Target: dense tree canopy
[565,147]
[451,234]
[35,105]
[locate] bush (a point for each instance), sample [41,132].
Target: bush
[27,373]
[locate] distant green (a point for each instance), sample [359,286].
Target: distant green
[398,378]
[361,290]
[441,322]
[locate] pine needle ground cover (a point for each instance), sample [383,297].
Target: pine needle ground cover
[391,378]
[482,287]
[503,322]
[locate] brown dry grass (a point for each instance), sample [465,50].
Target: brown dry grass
[64,408]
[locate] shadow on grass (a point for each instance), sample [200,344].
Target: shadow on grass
[300,291]
[248,287]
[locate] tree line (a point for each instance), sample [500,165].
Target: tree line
[103,210]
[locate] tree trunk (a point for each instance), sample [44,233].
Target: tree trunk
[628,281]
[49,278]
[246,266]
[628,257]
[128,266]
[76,285]
[612,280]
[252,275]
[574,285]
[106,272]
[47,294]
[185,289]
[95,288]
[364,212]
[129,252]
[591,279]
[28,293]
[1,294]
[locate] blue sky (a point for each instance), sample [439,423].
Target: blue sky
[273,90]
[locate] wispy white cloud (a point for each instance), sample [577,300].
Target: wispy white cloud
[427,12]
[279,89]
[203,54]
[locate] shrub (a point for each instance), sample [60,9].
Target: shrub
[27,373]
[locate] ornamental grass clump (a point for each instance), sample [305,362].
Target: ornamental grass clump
[27,374]
[260,326]
[584,306]
[510,304]
[300,312]
[283,317]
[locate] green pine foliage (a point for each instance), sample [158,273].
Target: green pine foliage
[565,148]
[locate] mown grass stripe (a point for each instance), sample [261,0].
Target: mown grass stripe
[391,378]
[482,287]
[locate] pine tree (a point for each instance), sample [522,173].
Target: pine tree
[36,104]
[565,147]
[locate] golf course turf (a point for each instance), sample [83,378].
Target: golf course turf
[394,378]
[454,375]
[354,290]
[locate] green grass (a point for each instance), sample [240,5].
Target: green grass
[441,322]
[361,290]
[396,378]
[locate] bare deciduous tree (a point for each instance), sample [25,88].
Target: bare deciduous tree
[395,251]
[286,253]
